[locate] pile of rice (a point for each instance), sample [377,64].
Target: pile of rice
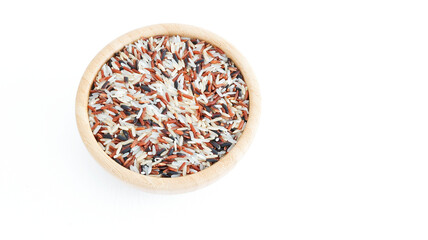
[168,106]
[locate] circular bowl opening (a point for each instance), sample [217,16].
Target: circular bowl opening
[182,183]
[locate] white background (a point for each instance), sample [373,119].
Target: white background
[341,151]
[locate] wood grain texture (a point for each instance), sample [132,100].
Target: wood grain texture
[179,184]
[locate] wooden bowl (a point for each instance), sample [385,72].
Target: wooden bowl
[184,183]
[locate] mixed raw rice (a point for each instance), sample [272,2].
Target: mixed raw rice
[168,106]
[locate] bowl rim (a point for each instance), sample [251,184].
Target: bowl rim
[183,183]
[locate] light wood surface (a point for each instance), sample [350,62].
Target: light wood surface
[179,184]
